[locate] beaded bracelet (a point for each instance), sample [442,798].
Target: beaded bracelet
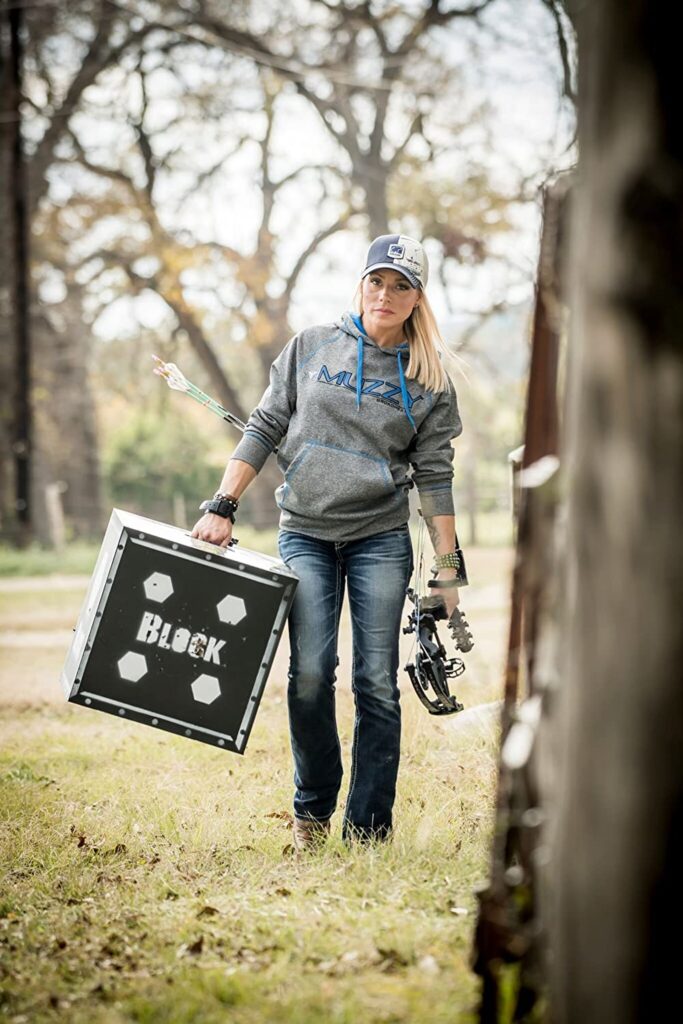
[451,560]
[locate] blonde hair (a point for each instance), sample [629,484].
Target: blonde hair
[427,347]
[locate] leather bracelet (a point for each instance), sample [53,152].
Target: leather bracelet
[223,505]
[446,583]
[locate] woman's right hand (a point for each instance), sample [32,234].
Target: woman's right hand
[213,529]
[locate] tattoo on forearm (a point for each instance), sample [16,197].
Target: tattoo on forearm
[441,531]
[433,532]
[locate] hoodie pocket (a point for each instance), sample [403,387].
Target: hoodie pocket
[324,479]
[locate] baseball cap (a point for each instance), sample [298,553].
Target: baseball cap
[401,253]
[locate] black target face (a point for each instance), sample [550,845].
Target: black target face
[178,634]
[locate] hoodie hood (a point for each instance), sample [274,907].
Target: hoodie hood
[352,325]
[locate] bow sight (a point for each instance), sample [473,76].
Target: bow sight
[432,667]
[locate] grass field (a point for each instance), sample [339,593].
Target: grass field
[150,878]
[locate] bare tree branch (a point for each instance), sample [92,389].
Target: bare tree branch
[557,9]
[309,167]
[99,56]
[103,172]
[210,171]
[143,140]
[316,241]
[185,316]
[434,16]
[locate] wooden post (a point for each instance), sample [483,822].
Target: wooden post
[505,932]
[54,510]
[614,885]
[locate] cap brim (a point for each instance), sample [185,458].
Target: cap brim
[393,266]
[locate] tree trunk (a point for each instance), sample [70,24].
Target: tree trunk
[470,468]
[7,281]
[617,846]
[66,434]
[15,417]
[373,181]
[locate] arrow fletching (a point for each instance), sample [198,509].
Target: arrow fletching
[171,374]
[177,380]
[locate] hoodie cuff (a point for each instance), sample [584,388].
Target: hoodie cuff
[251,451]
[437,501]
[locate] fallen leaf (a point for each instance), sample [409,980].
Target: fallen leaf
[207,911]
[391,960]
[283,892]
[281,816]
[288,850]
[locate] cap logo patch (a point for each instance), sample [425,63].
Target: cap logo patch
[396,252]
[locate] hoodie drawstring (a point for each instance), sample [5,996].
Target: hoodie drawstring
[404,392]
[405,397]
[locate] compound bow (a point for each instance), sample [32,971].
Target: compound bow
[432,667]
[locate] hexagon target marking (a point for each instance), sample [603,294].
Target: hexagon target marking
[132,666]
[231,609]
[158,587]
[206,689]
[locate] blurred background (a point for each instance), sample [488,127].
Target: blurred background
[201,179]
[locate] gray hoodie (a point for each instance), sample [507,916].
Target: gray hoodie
[350,428]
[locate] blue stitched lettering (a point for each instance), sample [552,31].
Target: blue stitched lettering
[370,386]
[338,378]
[392,389]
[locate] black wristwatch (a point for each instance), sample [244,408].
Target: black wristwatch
[221,505]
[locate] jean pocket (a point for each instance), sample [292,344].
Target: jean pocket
[325,478]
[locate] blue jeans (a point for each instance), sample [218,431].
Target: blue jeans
[377,571]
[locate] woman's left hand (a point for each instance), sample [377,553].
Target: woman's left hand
[451,595]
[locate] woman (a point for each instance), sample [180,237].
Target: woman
[354,406]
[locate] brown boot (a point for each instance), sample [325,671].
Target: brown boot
[309,833]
